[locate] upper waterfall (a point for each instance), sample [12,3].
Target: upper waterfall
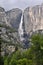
[21,31]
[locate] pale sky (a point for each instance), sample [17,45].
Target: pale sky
[22,4]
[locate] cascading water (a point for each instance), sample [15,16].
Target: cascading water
[21,32]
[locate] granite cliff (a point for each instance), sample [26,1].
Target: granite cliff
[14,17]
[9,24]
[10,21]
[33,18]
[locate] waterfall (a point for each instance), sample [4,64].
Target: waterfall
[21,31]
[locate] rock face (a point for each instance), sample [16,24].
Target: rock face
[33,18]
[9,24]
[10,20]
[2,9]
[14,17]
[3,19]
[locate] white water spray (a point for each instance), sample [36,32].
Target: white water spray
[21,32]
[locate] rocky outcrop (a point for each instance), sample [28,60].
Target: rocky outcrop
[14,17]
[33,18]
[2,9]
[10,21]
[9,24]
[3,19]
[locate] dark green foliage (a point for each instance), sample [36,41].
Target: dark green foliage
[16,48]
[37,48]
[1,60]
[31,56]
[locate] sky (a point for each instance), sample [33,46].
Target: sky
[22,4]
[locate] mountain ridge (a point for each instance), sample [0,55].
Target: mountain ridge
[10,20]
